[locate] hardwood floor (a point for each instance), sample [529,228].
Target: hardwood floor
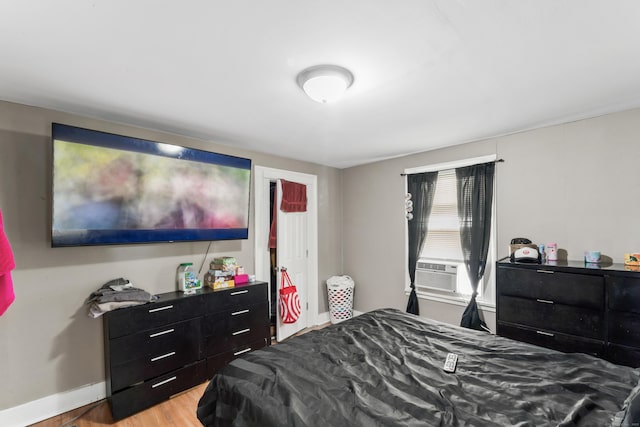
[179,411]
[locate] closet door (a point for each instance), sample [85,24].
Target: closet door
[292,254]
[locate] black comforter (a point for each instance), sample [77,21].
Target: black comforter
[384,368]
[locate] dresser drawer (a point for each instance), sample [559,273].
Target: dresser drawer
[153,315]
[142,396]
[624,328]
[622,355]
[182,351]
[553,340]
[234,328]
[217,362]
[154,341]
[241,296]
[225,322]
[586,290]
[542,314]
[623,293]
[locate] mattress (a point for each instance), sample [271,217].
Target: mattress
[385,368]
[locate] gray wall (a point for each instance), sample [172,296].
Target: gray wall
[575,184]
[48,344]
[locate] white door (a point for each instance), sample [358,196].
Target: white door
[291,258]
[292,254]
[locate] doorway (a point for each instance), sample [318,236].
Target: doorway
[296,249]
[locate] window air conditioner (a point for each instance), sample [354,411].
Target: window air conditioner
[438,275]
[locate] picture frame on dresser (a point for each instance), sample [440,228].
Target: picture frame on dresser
[571,307]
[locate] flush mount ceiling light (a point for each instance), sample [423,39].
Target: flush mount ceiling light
[325,83]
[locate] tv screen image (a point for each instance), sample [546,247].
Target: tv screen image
[113,189]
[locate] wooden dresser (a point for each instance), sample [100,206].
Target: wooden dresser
[571,306]
[156,350]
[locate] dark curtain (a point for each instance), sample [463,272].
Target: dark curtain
[421,186]
[475,199]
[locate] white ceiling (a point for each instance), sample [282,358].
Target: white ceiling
[428,74]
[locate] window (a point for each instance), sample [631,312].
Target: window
[441,273]
[443,238]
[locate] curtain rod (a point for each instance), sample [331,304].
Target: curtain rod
[495,161]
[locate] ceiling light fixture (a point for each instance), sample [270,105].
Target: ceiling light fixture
[325,83]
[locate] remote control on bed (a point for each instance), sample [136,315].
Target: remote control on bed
[451,362]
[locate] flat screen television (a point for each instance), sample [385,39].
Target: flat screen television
[113,189]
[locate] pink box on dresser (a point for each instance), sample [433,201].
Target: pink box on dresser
[241,279]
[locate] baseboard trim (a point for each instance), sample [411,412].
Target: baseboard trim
[50,406]
[323,318]
[326,317]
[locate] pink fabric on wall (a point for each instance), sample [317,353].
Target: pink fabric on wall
[7,263]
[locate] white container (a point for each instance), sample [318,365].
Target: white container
[187,279]
[340,289]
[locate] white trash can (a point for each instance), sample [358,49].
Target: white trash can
[340,291]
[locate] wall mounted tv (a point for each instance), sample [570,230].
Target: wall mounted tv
[113,189]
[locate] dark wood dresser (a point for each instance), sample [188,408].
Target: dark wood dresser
[156,350]
[235,322]
[572,307]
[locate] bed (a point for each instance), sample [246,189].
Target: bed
[385,368]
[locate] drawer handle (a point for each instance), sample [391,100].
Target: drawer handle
[547,334]
[157,334]
[166,307]
[246,350]
[244,331]
[239,292]
[545,271]
[545,301]
[168,380]
[239,312]
[164,356]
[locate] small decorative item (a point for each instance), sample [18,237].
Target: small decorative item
[408,206]
[289,299]
[219,279]
[220,283]
[187,279]
[592,257]
[552,251]
[632,259]
[241,279]
[226,263]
